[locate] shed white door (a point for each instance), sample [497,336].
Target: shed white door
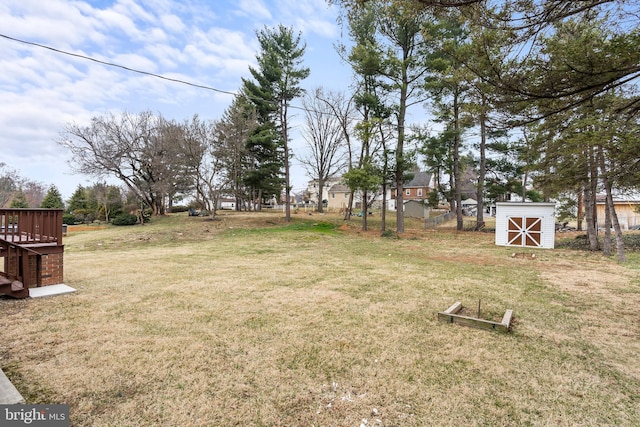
[524,231]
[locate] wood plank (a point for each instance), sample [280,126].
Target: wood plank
[456,307]
[506,319]
[450,316]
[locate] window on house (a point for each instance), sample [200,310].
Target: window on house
[419,192]
[407,192]
[333,195]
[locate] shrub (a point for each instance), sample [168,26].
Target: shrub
[179,208]
[68,219]
[389,234]
[84,216]
[124,219]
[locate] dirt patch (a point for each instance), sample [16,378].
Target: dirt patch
[85,227]
[467,259]
[582,277]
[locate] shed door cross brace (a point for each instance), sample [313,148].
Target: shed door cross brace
[524,231]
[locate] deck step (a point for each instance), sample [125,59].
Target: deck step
[11,290]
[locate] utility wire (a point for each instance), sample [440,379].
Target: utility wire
[147,73]
[111,64]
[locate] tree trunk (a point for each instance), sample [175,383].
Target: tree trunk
[616,226]
[259,203]
[592,232]
[287,177]
[456,162]
[365,211]
[606,241]
[590,192]
[402,111]
[347,214]
[611,208]
[482,167]
[580,210]
[320,188]
[383,214]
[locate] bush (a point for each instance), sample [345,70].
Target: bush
[146,215]
[68,219]
[84,216]
[179,208]
[389,234]
[124,219]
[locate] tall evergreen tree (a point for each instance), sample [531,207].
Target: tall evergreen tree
[53,199]
[450,88]
[399,57]
[277,82]
[367,61]
[231,134]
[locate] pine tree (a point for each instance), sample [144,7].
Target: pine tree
[19,201]
[277,82]
[53,199]
[78,200]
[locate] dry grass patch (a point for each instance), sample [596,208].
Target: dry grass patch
[249,321]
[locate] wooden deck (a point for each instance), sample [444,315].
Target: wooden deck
[31,226]
[26,236]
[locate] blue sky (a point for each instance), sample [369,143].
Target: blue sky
[202,42]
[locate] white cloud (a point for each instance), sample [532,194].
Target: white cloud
[172,23]
[135,61]
[202,42]
[167,56]
[46,21]
[255,9]
[309,17]
[221,52]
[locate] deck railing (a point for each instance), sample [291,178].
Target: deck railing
[31,226]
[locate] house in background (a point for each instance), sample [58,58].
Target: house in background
[338,197]
[227,203]
[311,194]
[417,189]
[336,193]
[627,209]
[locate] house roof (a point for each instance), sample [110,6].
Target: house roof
[619,198]
[420,179]
[339,188]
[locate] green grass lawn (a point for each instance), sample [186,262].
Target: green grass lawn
[247,320]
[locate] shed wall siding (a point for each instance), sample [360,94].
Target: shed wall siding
[545,211]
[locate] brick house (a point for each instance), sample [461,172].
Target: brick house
[417,189]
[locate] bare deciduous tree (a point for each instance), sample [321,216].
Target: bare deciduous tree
[135,148]
[325,138]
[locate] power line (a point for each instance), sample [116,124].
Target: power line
[147,73]
[111,64]
[159,76]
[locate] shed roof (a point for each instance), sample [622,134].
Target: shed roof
[619,198]
[532,204]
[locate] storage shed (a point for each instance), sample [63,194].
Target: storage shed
[416,209]
[525,224]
